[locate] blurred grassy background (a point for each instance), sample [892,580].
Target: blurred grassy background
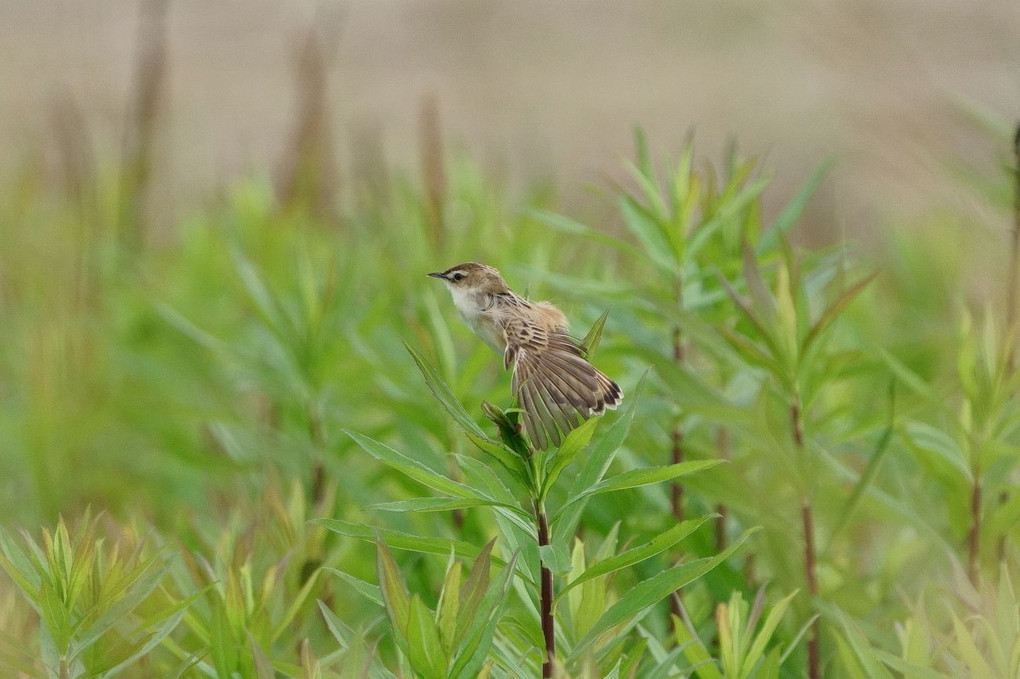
[539,90]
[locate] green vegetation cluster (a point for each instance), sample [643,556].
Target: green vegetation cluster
[278,453]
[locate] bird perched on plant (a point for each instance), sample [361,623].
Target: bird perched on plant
[555,386]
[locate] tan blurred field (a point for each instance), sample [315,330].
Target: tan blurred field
[544,90]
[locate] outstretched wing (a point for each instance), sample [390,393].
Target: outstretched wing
[555,386]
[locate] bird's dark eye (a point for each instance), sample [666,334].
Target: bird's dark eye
[458,276]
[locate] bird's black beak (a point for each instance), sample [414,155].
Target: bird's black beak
[438,274]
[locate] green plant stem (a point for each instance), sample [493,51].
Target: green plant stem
[546,596]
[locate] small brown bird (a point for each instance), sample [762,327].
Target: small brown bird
[554,385]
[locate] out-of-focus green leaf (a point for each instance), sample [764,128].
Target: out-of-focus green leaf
[793,210]
[640,222]
[398,540]
[365,589]
[833,311]
[642,477]
[761,639]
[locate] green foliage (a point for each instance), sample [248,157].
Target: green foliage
[332,481]
[100,608]
[742,643]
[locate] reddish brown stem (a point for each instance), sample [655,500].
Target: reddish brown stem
[548,623]
[798,426]
[814,665]
[676,489]
[810,560]
[1014,269]
[723,443]
[974,537]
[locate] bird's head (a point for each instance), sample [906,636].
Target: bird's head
[472,277]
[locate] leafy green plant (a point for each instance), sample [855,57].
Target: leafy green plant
[101,608]
[518,489]
[744,647]
[974,636]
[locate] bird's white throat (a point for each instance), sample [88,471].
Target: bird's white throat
[467,302]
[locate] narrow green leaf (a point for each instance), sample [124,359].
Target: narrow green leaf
[643,477]
[656,545]
[649,233]
[156,634]
[297,601]
[507,459]
[337,627]
[443,504]
[145,581]
[909,669]
[443,393]
[763,331]
[867,476]
[576,441]
[590,343]
[18,566]
[862,649]
[411,468]
[644,595]
[763,298]
[930,439]
[694,648]
[761,640]
[406,541]
[365,589]
[574,228]
[833,312]
[263,666]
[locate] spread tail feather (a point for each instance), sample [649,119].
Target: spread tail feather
[558,390]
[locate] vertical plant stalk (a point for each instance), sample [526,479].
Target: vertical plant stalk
[810,558]
[1012,299]
[546,595]
[433,168]
[974,536]
[307,174]
[139,141]
[1013,296]
[723,444]
[676,489]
